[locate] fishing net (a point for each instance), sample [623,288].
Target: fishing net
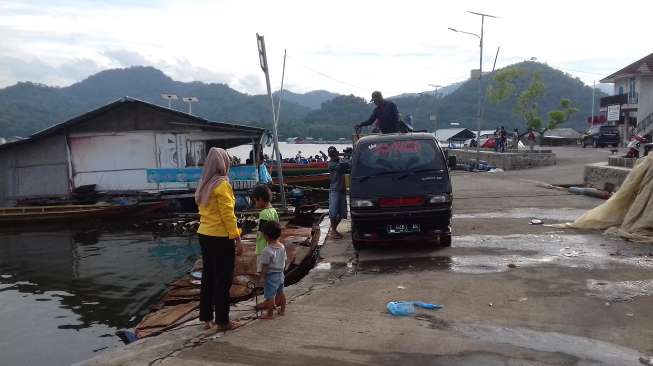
[629,212]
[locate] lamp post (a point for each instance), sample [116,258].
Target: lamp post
[190,101]
[434,116]
[170,98]
[480,76]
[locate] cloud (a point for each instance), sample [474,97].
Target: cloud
[35,70]
[126,58]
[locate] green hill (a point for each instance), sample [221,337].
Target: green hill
[27,107]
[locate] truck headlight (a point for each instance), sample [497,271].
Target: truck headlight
[440,198]
[362,203]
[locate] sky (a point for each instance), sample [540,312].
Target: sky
[348,47]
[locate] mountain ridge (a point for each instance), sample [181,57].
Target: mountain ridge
[29,107]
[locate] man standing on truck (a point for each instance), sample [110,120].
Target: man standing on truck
[386,113]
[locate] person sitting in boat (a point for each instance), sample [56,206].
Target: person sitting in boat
[299,158]
[337,190]
[324,156]
[386,113]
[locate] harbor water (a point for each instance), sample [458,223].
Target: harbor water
[64,293]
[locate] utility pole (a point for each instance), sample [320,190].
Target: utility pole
[480,75]
[434,116]
[263,59]
[593,92]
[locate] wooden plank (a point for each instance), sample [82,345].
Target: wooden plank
[168,315]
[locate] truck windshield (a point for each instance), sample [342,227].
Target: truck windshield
[386,158]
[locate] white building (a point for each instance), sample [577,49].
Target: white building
[113,147]
[633,97]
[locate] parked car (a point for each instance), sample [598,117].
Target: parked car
[601,136]
[400,190]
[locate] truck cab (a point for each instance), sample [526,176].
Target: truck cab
[400,191]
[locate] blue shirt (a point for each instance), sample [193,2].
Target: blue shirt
[264,175]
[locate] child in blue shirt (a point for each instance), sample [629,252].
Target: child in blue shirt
[273,261]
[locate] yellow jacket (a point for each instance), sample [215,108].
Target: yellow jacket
[218,217]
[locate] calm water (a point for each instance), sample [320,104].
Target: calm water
[64,293]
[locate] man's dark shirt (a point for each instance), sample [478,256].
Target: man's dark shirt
[388,116]
[337,170]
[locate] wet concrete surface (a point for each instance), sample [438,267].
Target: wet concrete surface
[513,293]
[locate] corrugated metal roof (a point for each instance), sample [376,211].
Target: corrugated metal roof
[446,134]
[98,111]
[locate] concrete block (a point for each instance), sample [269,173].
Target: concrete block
[605,177]
[507,160]
[621,161]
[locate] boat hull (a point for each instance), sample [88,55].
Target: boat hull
[73,213]
[316,180]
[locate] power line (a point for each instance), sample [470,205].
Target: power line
[329,76]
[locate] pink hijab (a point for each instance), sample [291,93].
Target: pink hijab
[216,169]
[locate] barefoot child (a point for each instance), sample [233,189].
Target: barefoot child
[262,197]
[273,261]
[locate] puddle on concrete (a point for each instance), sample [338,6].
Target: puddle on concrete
[619,291]
[577,251]
[562,214]
[591,351]
[492,253]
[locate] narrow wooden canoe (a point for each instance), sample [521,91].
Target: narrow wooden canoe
[40,214]
[181,301]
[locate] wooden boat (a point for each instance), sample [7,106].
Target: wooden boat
[316,180]
[293,169]
[181,302]
[41,214]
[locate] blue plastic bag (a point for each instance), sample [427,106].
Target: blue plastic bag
[403,308]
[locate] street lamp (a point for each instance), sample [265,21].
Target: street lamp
[190,101]
[434,117]
[435,86]
[170,98]
[480,76]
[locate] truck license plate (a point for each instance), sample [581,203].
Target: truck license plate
[403,228]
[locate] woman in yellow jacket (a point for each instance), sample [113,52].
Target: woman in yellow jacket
[219,238]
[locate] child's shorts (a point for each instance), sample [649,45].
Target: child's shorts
[273,285]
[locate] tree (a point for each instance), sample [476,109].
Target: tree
[505,88]
[527,106]
[504,84]
[560,116]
